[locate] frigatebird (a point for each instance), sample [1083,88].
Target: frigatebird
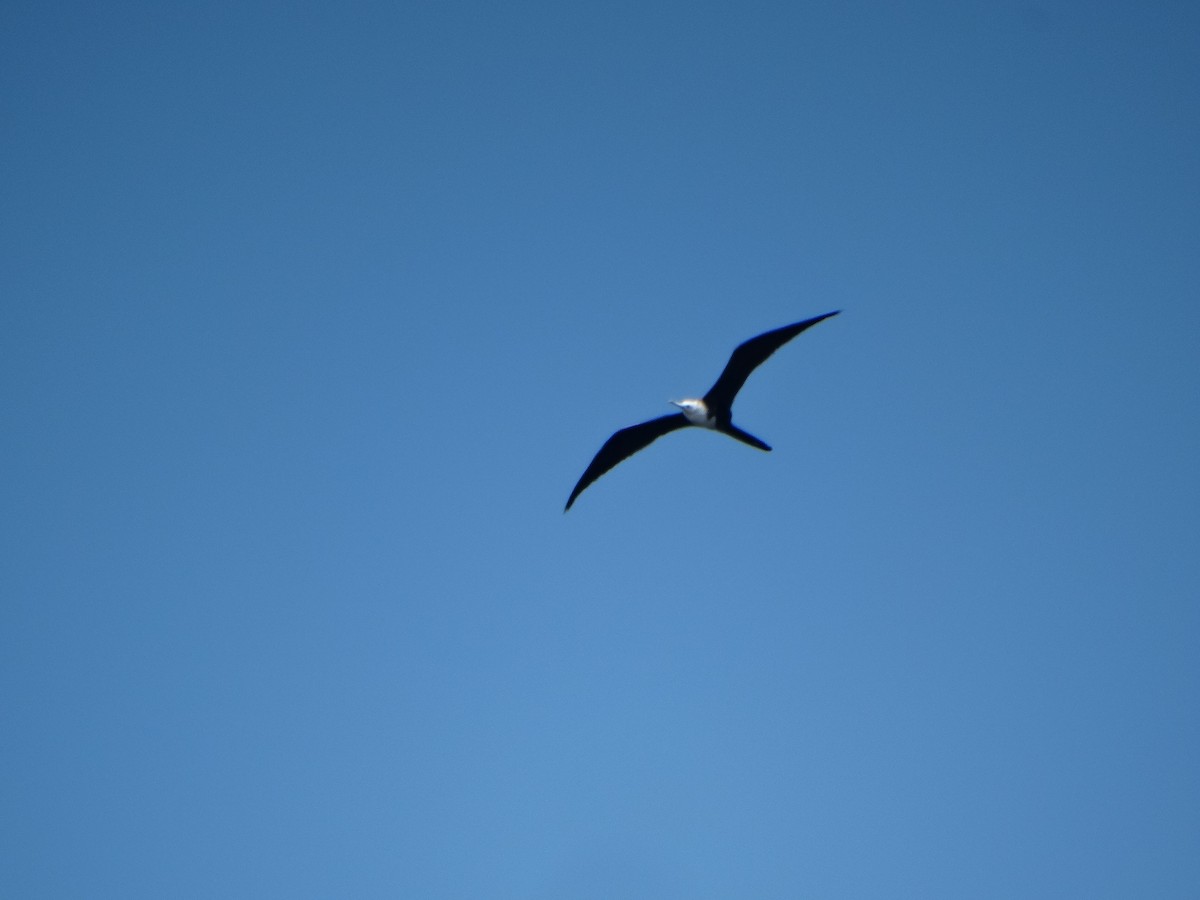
[714,410]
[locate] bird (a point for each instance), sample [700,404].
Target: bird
[714,410]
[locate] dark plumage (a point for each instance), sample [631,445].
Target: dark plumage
[714,411]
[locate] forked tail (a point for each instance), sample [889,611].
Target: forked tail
[746,438]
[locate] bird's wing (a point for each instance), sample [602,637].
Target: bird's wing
[748,356]
[623,445]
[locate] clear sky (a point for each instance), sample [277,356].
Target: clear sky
[312,314]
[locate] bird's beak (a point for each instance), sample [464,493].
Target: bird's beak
[675,403]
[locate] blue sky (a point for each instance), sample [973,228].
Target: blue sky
[312,316]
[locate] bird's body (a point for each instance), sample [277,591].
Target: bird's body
[714,410]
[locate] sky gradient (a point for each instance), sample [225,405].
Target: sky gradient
[311,316]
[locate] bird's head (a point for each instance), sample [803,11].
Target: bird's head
[695,410]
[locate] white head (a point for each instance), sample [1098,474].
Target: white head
[695,410]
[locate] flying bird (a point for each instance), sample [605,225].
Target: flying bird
[714,410]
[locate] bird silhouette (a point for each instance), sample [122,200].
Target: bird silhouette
[714,410]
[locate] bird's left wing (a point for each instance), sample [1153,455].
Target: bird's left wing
[623,445]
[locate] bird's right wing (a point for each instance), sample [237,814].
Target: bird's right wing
[748,356]
[623,445]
